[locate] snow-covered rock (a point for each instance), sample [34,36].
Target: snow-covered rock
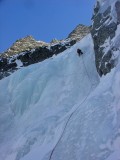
[106,34]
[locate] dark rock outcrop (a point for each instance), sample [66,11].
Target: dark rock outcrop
[104,35]
[117,6]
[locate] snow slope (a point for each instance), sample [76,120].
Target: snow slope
[60,110]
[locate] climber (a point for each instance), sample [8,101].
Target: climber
[79,52]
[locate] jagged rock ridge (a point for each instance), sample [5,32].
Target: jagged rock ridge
[27,51]
[24,44]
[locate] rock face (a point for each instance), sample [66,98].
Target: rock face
[106,34]
[27,51]
[79,32]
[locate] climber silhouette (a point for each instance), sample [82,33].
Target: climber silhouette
[79,52]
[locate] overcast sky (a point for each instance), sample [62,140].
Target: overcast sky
[43,19]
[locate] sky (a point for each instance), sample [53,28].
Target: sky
[43,19]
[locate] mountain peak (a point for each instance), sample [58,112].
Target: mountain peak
[28,37]
[79,32]
[24,44]
[28,43]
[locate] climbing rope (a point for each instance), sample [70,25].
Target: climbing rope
[73,111]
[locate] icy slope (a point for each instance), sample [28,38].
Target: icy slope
[93,133]
[58,110]
[36,101]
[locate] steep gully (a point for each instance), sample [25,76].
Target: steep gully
[70,116]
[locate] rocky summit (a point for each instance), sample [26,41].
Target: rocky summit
[24,44]
[79,32]
[27,51]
